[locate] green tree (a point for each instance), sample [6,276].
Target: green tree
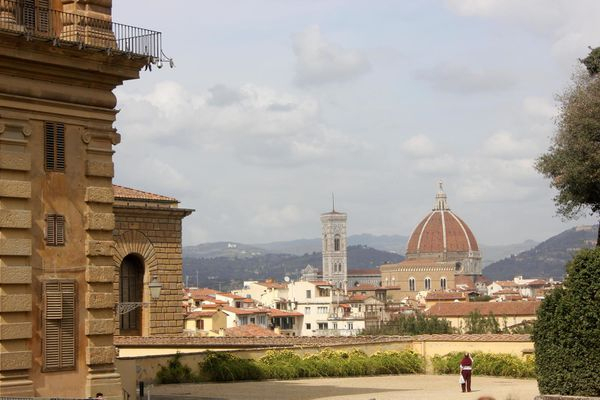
[573,160]
[412,324]
[567,331]
[477,323]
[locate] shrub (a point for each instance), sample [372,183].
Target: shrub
[175,372]
[567,331]
[487,364]
[412,324]
[221,366]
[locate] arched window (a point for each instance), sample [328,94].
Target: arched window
[130,290]
[443,283]
[428,283]
[336,243]
[412,284]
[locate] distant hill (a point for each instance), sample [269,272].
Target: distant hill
[226,273]
[223,249]
[494,253]
[548,259]
[390,243]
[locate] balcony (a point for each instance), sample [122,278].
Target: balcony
[63,29]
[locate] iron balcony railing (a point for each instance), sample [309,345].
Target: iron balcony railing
[23,17]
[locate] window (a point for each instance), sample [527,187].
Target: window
[350,325]
[131,291]
[243,320]
[308,326]
[323,292]
[336,243]
[322,325]
[322,310]
[58,343]
[411,284]
[428,283]
[443,283]
[55,230]
[335,325]
[306,310]
[308,294]
[199,324]
[34,15]
[252,320]
[54,146]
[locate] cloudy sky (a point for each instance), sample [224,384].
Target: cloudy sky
[273,105]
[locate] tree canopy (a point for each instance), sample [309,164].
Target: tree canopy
[573,159]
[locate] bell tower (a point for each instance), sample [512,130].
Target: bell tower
[335,258]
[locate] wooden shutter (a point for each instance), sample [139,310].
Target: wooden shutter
[59,325]
[29,14]
[43,16]
[60,230]
[49,145]
[54,146]
[50,230]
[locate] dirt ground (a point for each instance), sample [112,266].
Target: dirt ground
[395,387]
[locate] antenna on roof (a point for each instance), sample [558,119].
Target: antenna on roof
[332,202]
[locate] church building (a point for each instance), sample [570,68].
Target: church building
[441,248]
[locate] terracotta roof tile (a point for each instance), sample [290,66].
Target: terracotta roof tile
[125,193]
[431,296]
[250,330]
[273,285]
[273,312]
[200,314]
[364,287]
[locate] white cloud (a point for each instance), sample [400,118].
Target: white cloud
[540,107]
[567,23]
[319,61]
[260,125]
[272,217]
[418,146]
[505,145]
[463,79]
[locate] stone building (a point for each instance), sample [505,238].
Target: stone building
[147,239]
[60,61]
[441,247]
[335,256]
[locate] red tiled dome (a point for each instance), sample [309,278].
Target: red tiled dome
[441,231]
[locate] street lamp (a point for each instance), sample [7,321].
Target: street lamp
[155,286]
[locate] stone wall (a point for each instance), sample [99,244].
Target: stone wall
[155,234]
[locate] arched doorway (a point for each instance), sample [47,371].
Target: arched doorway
[131,289]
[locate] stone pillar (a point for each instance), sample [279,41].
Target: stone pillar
[15,262]
[99,225]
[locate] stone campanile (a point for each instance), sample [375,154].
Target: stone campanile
[335,258]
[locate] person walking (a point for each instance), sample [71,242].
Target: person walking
[466,365]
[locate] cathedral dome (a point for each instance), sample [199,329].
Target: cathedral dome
[442,234]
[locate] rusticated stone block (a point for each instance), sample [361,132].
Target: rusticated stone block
[15,303]
[15,360]
[99,327]
[17,161]
[99,168]
[15,275]
[99,195]
[100,221]
[100,355]
[100,274]
[99,300]
[16,189]
[15,247]
[15,219]
[21,330]
[99,248]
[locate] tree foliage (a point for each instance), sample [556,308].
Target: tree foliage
[477,323]
[412,324]
[567,331]
[573,159]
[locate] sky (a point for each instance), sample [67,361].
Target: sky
[274,105]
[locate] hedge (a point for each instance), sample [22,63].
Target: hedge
[567,331]
[491,364]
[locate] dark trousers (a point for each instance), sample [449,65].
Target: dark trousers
[466,374]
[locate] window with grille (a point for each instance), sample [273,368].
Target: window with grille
[54,146]
[34,15]
[336,243]
[443,283]
[427,283]
[411,284]
[55,230]
[59,340]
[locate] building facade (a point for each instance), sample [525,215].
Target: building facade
[335,257]
[59,64]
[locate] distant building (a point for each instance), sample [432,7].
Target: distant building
[335,257]
[441,247]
